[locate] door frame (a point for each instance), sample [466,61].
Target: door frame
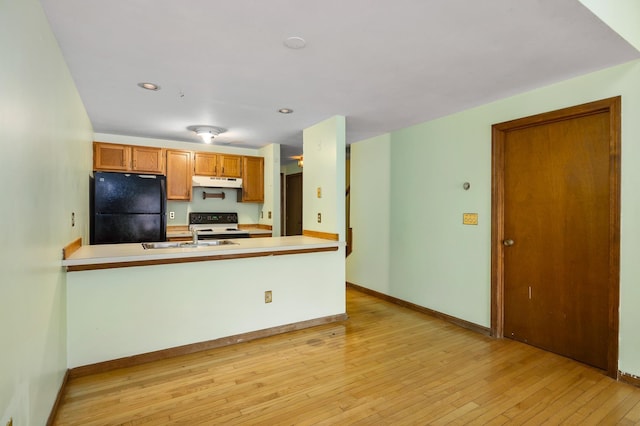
[612,106]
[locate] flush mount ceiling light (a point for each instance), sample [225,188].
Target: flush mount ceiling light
[295,42]
[207,133]
[300,159]
[149,86]
[285,110]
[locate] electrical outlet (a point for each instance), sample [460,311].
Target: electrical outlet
[172,215]
[268,297]
[269,215]
[319,217]
[319,192]
[73,219]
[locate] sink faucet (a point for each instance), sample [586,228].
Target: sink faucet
[194,235]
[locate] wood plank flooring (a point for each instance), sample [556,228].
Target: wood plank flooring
[385,365]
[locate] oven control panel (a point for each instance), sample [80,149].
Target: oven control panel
[212,218]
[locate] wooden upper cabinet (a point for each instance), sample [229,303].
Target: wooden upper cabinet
[179,175]
[205,164]
[213,164]
[112,157]
[147,159]
[229,165]
[252,180]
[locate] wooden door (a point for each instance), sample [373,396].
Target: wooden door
[294,204]
[111,157]
[147,159]
[229,165]
[252,180]
[205,164]
[179,174]
[559,231]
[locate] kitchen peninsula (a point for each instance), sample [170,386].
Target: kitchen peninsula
[126,301]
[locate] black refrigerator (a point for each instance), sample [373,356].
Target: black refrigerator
[127,208]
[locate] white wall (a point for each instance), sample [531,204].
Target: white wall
[271,154]
[324,167]
[45,154]
[620,15]
[173,305]
[197,145]
[248,213]
[368,264]
[437,262]
[291,168]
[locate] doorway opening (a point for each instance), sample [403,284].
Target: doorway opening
[293,204]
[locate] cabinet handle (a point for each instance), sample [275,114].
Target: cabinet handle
[222,169]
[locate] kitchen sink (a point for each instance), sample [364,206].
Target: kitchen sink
[186,244]
[207,243]
[161,245]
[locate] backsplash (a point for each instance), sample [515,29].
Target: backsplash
[248,213]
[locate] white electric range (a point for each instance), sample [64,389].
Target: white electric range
[216,226]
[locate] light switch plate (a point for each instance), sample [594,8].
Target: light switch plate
[469,218]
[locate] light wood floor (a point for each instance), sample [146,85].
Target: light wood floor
[385,365]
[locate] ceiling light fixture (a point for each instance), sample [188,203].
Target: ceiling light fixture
[149,86]
[207,133]
[285,110]
[300,159]
[295,42]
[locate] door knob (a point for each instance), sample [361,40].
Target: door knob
[508,243]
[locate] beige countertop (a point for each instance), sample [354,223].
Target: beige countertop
[105,256]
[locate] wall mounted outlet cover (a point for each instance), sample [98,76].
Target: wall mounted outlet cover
[319,192]
[269,215]
[319,217]
[268,296]
[172,215]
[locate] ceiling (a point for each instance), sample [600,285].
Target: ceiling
[384,65]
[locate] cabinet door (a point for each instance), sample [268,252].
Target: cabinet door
[147,159]
[229,165]
[179,174]
[205,164]
[252,180]
[111,157]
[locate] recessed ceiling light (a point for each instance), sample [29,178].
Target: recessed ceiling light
[149,86]
[285,110]
[295,42]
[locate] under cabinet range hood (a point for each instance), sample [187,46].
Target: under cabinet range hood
[216,182]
